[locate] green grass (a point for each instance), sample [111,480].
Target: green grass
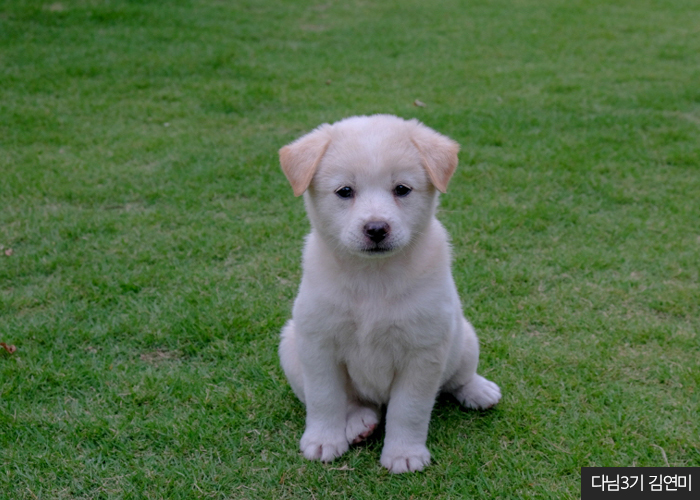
[155,243]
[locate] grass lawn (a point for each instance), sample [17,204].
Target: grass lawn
[150,244]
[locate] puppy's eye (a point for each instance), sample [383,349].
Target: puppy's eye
[345,192]
[402,190]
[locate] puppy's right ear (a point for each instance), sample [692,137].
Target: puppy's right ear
[300,159]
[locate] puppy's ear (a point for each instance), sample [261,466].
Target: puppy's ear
[300,159]
[438,153]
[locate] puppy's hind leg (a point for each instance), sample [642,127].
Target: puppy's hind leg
[471,389]
[289,358]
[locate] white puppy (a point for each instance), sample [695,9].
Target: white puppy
[377,320]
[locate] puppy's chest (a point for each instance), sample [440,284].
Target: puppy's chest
[375,344]
[372,354]
[371,324]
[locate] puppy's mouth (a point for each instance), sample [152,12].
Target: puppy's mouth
[377,250]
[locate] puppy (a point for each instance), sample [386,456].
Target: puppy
[377,320]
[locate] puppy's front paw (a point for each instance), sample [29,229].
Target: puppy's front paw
[405,458]
[478,393]
[323,446]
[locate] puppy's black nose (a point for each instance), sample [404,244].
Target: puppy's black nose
[376,230]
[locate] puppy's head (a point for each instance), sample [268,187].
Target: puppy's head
[370,182]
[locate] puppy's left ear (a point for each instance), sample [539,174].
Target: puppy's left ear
[438,154]
[300,159]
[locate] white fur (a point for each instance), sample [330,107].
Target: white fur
[376,328]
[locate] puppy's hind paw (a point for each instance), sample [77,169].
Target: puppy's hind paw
[478,393]
[361,422]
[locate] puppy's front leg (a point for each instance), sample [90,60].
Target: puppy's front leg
[326,404]
[407,418]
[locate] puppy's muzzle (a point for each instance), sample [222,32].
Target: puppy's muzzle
[376,231]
